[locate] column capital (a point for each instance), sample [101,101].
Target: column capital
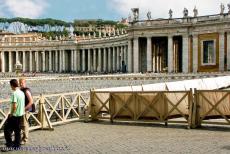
[149,37]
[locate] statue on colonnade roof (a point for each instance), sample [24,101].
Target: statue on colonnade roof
[228,8]
[135,13]
[170,13]
[222,8]
[185,12]
[149,15]
[195,11]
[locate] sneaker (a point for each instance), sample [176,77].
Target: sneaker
[23,142]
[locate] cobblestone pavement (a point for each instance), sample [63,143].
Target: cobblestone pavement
[104,137]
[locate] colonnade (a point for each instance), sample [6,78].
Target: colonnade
[86,59]
[177,53]
[107,59]
[158,52]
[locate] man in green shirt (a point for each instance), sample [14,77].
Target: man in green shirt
[13,123]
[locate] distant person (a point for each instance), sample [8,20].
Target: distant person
[13,122]
[28,108]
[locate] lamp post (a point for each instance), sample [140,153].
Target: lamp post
[18,68]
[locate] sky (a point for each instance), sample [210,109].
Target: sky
[68,10]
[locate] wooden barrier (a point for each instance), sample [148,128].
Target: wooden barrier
[212,107]
[99,104]
[61,108]
[159,106]
[51,109]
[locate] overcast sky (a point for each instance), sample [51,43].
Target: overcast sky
[69,10]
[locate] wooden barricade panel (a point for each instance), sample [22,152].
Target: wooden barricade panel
[177,104]
[122,105]
[71,106]
[213,105]
[63,108]
[150,106]
[99,103]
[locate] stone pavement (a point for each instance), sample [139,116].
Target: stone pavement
[104,137]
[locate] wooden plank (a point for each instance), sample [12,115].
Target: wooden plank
[190,102]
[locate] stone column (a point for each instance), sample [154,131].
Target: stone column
[89,60]
[63,61]
[149,55]
[125,54]
[50,61]
[130,56]
[23,61]
[78,63]
[170,54]
[114,59]
[60,61]
[221,51]
[17,56]
[36,61]
[154,57]
[3,61]
[109,59]
[185,54]
[56,61]
[94,60]
[43,61]
[10,61]
[104,60]
[83,60]
[99,60]
[73,62]
[195,53]
[118,59]
[228,51]
[135,55]
[122,56]
[31,61]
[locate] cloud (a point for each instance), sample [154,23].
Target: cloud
[160,8]
[25,8]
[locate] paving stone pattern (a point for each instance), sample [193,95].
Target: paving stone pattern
[104,137]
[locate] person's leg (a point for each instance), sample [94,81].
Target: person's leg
[17,131]
[25,128]
[8,130]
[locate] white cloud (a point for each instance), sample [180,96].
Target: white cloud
[25,8]
[160,8]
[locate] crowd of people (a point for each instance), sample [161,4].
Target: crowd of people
[21,103]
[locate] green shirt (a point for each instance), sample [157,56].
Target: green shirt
[19,98]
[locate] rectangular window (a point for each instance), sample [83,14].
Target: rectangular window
[209,53]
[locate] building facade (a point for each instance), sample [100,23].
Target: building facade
[189,44]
